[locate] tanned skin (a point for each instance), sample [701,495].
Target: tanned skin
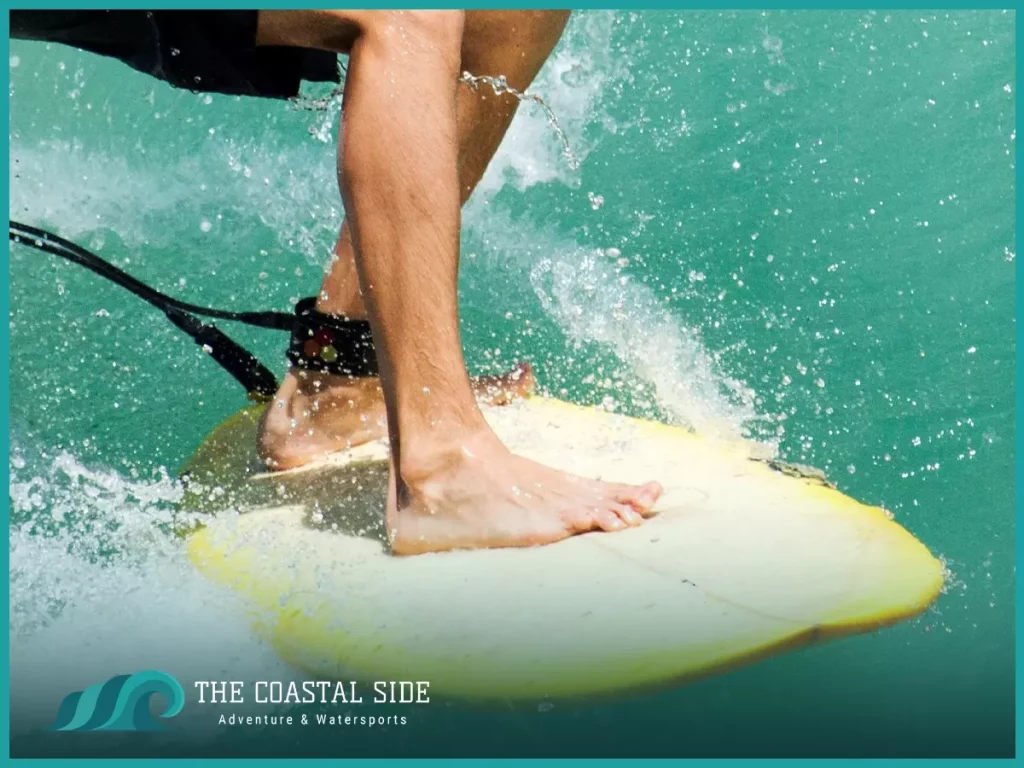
[414,143]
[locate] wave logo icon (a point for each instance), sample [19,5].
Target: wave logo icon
[120,704]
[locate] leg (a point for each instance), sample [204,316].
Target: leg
[315,413]
[453,483]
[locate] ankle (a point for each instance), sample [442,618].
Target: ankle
[304,394]
[348,306]
[310,384]
[425,458]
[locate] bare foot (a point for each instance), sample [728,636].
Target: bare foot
[316,414]
[477,494]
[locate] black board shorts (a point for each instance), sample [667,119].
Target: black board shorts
[203,51]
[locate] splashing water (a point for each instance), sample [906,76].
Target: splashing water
[100,587]
[593,299]
[500,86]
[578,291]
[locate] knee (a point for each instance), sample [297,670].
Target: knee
[442,26]
[430,32]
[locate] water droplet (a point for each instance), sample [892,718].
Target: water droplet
[575,76]
[500,86]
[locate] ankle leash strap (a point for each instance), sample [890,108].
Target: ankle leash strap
[319,342]
[330,343]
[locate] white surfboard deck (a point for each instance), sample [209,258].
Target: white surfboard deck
[742,561]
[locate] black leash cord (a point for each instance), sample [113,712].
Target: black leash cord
[247,370]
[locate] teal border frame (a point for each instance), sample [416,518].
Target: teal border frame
[5,389]
[437,763]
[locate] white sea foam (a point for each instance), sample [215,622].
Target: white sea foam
[99,589]
[146,199]
[572,81]
[594,298]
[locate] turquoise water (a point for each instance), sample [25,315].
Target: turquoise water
[797,226]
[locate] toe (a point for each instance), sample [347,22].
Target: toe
[649,495]
[580,520]
[628,515]
[607,519]
[503,389]
[642,498]
[520,379]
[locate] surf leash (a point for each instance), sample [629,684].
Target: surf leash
[320,342]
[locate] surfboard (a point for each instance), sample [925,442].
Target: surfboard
[746,558]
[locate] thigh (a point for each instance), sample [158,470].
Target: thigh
[338,30]
[316,29]
[511,43]
[514,44]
